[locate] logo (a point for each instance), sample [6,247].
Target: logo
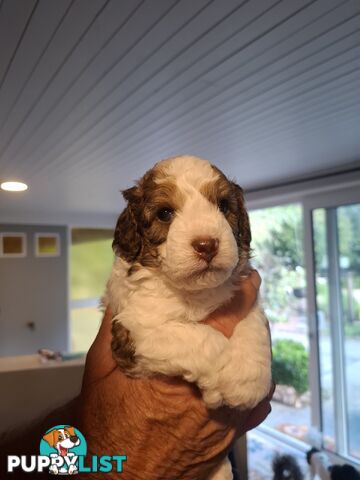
[63,444]
[63,451]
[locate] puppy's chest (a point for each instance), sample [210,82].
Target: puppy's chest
[144,298]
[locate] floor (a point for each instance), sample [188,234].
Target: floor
[261,451]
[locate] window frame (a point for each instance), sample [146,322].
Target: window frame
[330,201]
[337,190]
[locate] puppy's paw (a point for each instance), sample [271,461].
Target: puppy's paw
[212,398]
[246,394]
[72,470]
[54,470]
[122,346]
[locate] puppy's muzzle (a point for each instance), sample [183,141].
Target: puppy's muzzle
[206,247]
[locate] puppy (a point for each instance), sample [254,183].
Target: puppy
[62,439]
[286,467]
[181,244]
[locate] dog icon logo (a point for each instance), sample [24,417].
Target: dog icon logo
[63,444]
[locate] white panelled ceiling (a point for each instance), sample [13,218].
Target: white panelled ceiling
[93,92]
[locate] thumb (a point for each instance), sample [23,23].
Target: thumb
[99,360]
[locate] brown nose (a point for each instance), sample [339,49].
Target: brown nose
[206,247]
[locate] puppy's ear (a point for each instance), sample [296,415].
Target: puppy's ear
[127,237]
[243,219]
[50,438]
[71,431]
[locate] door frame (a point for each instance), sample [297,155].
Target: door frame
[327,200]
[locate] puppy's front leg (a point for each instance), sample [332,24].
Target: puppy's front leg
[246,379]
[189,350]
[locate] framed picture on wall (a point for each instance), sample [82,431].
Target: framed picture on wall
[12,244]
[47,244]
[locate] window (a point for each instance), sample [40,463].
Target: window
[91,258]
[337,274]
[308,254]
[278,254]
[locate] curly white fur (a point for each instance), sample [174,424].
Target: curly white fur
[162,307]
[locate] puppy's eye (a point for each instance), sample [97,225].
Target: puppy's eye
[224,205]
[165,214]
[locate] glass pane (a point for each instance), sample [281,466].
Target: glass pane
[91,258]
[85,324]
[278,254]
[324,328]
[348,219]
[337,255]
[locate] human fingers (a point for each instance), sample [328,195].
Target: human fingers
[258,415]
[227,317]
[260,412]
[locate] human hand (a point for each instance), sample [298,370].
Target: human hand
[161,423]
[227,317]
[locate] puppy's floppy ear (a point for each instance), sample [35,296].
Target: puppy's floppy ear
[50,437]
[127,238]
[243,218]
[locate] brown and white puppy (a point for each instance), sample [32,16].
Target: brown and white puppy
[181,244]
[62,439]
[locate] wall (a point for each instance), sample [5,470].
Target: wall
[34,290]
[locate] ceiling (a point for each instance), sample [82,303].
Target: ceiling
[93,92]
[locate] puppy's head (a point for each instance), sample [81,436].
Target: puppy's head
[188,221]
[63,437]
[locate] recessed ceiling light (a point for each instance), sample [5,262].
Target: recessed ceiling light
[14,186]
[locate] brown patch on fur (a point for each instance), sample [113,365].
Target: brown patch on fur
[237,216]
[123,347]
[133,269]
[138,231]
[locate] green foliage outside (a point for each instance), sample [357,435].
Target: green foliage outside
[290,365]
[85,324]
[90,266]
[91,259]
[278,254]
[349,238]
[348,222]
[352,330]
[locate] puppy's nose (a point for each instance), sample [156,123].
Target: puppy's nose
[74,438]
[206,247]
